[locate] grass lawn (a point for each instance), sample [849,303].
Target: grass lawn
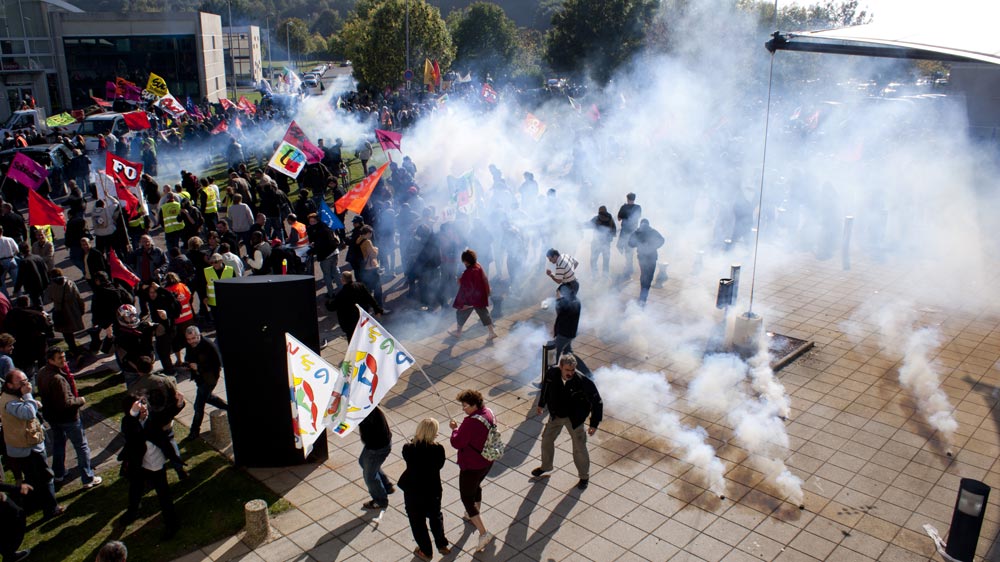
[209,503]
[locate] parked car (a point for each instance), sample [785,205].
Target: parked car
[54,157]
[313,86]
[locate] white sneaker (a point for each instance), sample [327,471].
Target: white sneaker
[93,483]
[484,541]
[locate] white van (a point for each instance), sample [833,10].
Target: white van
[101,124]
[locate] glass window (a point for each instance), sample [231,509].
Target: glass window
[40,46]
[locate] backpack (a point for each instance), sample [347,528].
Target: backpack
[494,446]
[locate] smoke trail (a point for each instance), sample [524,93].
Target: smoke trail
[519,350]
[642,397]
[917,375]
[718,387]
[763,382]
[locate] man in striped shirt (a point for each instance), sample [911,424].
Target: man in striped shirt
[564,272]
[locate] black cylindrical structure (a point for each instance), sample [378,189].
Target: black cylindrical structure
[549,358]
[254,314]
[967,520]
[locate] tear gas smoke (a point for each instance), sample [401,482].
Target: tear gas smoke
[763,381]
[644,398]
[519,350]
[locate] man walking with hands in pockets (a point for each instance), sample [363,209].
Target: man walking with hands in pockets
[570,398]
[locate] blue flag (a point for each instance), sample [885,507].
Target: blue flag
[329,219]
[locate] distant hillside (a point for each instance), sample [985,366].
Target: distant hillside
[523,12]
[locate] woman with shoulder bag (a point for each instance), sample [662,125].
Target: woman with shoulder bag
[421,485]
[469,438]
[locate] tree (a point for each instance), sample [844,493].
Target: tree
[597,35]
[327,22]
[485,40]
[376,41]
[294,33]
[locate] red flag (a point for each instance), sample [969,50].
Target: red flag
[437,75]
[129,173]
[222,127]
[101,102]
[42,211]
[245,106]
[237,124]
[356,199]
[488,94]
[119,271]
[296,137]
[226,104]
[136,120]
[389,140]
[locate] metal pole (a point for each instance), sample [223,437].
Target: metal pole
[232,48]
[270,64]
[288,41]
[407,41]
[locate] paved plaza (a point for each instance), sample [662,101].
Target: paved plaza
[873,471]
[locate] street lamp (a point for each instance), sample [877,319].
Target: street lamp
[288,41]
[270,64]
[232,48]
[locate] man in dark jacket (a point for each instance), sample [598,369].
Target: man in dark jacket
[162,308]
[567,321]
[12,521]
[570,398]
[325,245]
[203,358]
[603,225]
[62,411]
[628,215]
[32,275]
[377,439]
[31,329]
[142,465]
[353,293]
[646,241]
[148,260]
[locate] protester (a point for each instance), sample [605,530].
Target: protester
[32,275]
[62,412]
[564,272]
[144,464]
[205,363]
[567,322]
[469,440]
[473,294]
[421,485]
[570,397]
[646,240]
[8,261]
[603,225]
[68,307]
[112,551]
[377,440]
[12,521]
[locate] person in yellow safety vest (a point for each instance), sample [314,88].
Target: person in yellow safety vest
[169,218]
[181,193]
[208,202]
[137,225]
[298,241]
[218,270]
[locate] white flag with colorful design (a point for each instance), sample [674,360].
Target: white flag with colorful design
[318,392]
[373,363]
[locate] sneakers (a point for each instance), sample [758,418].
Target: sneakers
[421,554]
[374,505]
[93,483]
[538,472]
[484,541]
[582,484]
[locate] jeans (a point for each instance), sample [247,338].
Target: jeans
[37,473]
[7,267]
[76,258]
[628,252]
[371,468]
[565,345]
[646,270]
[370,278]
[331,273]
[204,396]
[581,457]
[157,479]
[600,250]
[74,432]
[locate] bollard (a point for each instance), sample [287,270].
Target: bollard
[967,519]
[724,297]
[845,248]
[734,274]
[747,332]
[258,523]
[218,423]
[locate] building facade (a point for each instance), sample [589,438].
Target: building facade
[243,54]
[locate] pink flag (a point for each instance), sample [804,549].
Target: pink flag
[133,92]
[389,140]
[26,171]
[296,137]
[110,90]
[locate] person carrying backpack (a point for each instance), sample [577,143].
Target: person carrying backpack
[470,439]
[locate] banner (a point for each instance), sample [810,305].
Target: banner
[136,120]
[157,85]
[100,102]
[288,160]
[296,137]
[318,392]
[357,197]
[26,171]
[111,90]
[226,104]
[437,75]
[534,127]
[464,191]
[60,120]
[41,211]
[132,92]
[428,74]
[389,140]
[327,216]
[169,104]
[222,127]
[129,173]
[373,363]
[120,271]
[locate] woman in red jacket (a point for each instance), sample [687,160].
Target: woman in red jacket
[473,294]
[469,439]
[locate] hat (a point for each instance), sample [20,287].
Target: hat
[357,218]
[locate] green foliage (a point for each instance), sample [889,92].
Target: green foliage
[294,33]
[327,22]
[597,35]
[375,40]
[795,17]
[527,65]
[485,40]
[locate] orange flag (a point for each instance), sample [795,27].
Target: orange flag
[356,199]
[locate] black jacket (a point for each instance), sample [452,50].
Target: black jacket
[206,356]
[646,242]
[32,275]
[567,316]
[347,313]
[374,430]
[575,400]
[422,477]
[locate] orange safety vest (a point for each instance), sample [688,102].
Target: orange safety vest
[303,241]
[183,295]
